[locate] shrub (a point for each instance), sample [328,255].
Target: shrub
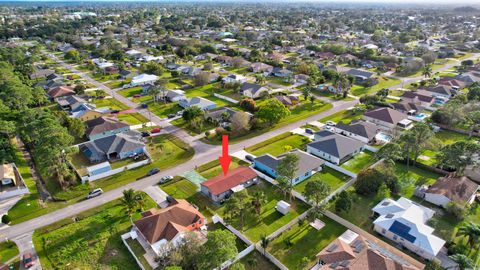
[6,219]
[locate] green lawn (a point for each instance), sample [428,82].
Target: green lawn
[162,110]
[270,219]
[449,137]
[345,116]
[359,161]
[383,82]
[91,241]
[207,92]
[180,188]
[139,251]
[8,251]
[329,176]
[132,118]
[306,242]
[213,168]
[115,84]
[277,145]
[413,176]
[278,81]
[255,260]
[130,92]
[111,103]
[181,123]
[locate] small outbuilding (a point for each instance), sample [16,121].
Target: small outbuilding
[283,207]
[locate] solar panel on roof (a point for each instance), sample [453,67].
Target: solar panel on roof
[334,265]
[402,230]
[332,247]
[359,248]
[385,203]
[389,216]
[344,263]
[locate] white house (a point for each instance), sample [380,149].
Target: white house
[233,78]
[387,118]
[200,102]
[361,131]
[448,189]
[404,222]
[142,79]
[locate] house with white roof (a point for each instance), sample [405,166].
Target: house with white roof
[142,79]
[404,222]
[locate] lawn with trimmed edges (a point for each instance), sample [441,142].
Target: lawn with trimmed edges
[270,219]
[111,103]
[345,116]
[130,92]
[213,168]
[8,251]
[383,82]
[162,109]
[180,188]
[207,92]
[132,118]
[90,241]
[410,177]
[329,176]
[255,260]
[359,162]
[305,241]
[278,144]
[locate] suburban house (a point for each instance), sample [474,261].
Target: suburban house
[114,147]
[60,91]
[221,187]
[135,54]
[200,102]
[387,118]
[259,67]
[40,74]
[288,101]
[159,227]
[361,130]
[460,190]
[424,97]
[87,111]
[404,222]
[281,72]
[224,114]
[334,147]
[362,76]
[409,107]
[11,183]
[103,127]
[233,78]
[70,103]
[253,90]
[173,95]
[441,91]
[307,165]
[357,252]
[142,79]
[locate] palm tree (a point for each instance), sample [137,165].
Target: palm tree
[342,83]
[154,91]
[427,71]
[464,262]
[470,231]
[258,200]
[390,153]
[264,241]
[132,201]
[260,79]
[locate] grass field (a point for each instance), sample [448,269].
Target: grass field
[130,92]
[345,116]
[132,118]
[162,110]
[92,241]
[384,82]
[213,168]
[8,251]
[277,145]
[255,260]
[110,103]
[359,161]
[329,176]
[306,242]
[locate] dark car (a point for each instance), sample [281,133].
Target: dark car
[145,133]
[309,131]
[27,260]
[153,171]
[144,105]
[114,111]
[249,158]
[172,115]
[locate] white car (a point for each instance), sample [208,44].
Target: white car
[330,123]
[94,193]
[329,128]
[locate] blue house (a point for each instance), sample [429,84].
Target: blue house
[307,165]
[99,168]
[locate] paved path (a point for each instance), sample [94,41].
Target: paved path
[25,245]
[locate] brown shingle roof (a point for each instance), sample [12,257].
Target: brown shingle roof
[158,224]
[61,91]
[102,124]
[386,115]
[221,183]
[456,189]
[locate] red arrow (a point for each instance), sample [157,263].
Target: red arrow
[225,159]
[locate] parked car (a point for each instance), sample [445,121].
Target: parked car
[180,113]
[329,128]
[249,158]
[153,171]
[309,131]
[27,260]
[145,133]
[166,179]
[172,115]
[144,105]
[114,111]
[155,130]
[94,193]
[136,95]
[330,123]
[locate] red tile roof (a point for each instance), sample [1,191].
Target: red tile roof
[235,177]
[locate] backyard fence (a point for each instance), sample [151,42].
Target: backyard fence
[114,171]
[371,148]
[271,258]
[340,169]
[287,226]
[124,240]
[226,98]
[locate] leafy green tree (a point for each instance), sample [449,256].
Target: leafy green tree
[316,191]
[272,111]
[258,200]
[427,71]
[191,113]
[458,155]
[470,231]
[132,201]
[73,55]
[343,202]
[220,247]
[264,242]
[238,205]
[474,92]
[463,261]
[287,168]
[390,153]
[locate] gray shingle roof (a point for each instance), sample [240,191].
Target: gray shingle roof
[364,129]
[335,145]
[386,115]
[306,162]
[119,143]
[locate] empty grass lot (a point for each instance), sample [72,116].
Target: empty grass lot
[109,102]
[383,82]
[91,241]
[270,219]
[180,188]
[305,241]
[162,110]
[345,116]
[329,176]
[359,162]
[8,251]
[277,145]
[130,92]
[132,118]
[213,168]
[255,260]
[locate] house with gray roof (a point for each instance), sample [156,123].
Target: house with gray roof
[253,90]
[69,103]
[307,165]
[114,147]
[334,147]
[386,118]
[361,131]
[200,102]
[104,127]
[361,76]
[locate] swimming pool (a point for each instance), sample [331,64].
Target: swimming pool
[421,116]
[383,137]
